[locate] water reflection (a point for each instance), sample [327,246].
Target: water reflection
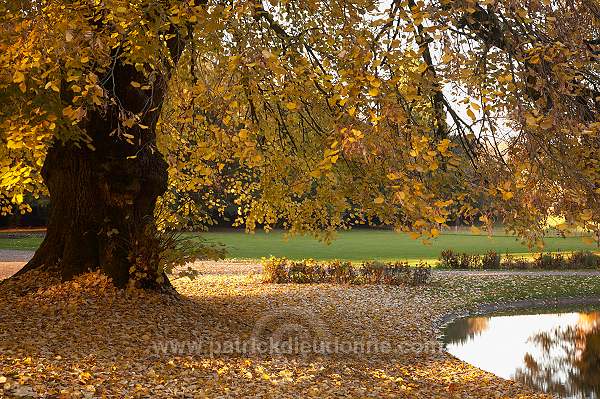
[558,353]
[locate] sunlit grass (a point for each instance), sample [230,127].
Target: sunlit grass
[382,245]
[356,245]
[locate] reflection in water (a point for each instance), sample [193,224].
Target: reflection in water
[466,329]
[557,353]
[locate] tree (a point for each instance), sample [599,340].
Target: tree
[301,111]
[573,348]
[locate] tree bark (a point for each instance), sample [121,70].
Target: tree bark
[103,195]
[102,215]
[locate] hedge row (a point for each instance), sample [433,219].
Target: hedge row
[283,270]
[493,261]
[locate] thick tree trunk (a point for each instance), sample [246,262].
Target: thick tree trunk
[103,195]
[103,189]
[102,215]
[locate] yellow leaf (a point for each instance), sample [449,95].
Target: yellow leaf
[531,120]
[547,123]
[18,77]
[586,215]
[379,200]
[506,195]
[440,219]
[53,85]
[135,84]
[292,106]
[475,230]
[374,92]
[471,114]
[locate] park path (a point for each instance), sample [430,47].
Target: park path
[518,272]
[12,260]
[249,266]
[15,255]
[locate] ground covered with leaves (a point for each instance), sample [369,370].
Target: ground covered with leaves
[86,339]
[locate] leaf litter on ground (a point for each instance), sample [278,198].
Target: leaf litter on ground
[86,339]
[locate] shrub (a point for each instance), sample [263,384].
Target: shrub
[398,273]
[512,262]
[421,274]
[339,272]
[467,261]
[449,259]
[282,270]
[302,272]
[550,261]
[275,270]
[452,260]
[372,271]
[584,260]
[491,260]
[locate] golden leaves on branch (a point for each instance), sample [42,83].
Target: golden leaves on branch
[256,100]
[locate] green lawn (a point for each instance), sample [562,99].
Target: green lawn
[354,245]
[359,245]
[22,243]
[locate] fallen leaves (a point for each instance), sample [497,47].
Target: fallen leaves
[86,339]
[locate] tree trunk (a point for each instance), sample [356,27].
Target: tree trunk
[103,194]
[102,215]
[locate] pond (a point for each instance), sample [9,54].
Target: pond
[553,352]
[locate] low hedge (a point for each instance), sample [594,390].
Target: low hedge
[283,270]
[493,261]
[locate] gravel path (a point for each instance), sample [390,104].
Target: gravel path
[11,259]
[7,269]
[230,266]
[15,255]
[518,272]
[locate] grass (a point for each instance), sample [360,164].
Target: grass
[381,245]
[25,243]
[354,245]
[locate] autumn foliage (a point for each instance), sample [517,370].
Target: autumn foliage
[312,115]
